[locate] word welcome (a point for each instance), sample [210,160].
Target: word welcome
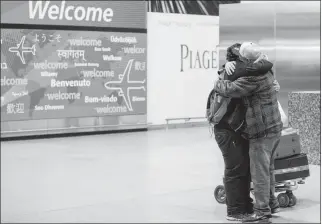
[59,10]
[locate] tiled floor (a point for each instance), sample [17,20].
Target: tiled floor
[155,176]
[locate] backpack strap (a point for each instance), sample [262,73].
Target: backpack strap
[209,98]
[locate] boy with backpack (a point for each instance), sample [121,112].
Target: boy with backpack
[227,116]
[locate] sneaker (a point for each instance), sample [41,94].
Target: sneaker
[274,211]
[250,210]
[257,218]
[237,217]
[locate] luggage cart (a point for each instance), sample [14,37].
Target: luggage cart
[285,199]
[291,169]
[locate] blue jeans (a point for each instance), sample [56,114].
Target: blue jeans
[262,156]
[234,149]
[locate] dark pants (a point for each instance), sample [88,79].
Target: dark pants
[262,156]
[235,150]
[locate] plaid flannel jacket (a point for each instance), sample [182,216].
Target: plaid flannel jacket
[260,99]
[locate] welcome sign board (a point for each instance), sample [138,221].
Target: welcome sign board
[52,74]
[47,73]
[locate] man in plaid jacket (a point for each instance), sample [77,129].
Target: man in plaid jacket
[263,127]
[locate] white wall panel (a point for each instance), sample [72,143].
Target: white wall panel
[174,89]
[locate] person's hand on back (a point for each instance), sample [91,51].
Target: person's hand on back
[276,86]
[262,56]
[230,67]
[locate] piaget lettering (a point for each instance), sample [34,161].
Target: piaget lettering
[70,83]
[197,59]
[59,10]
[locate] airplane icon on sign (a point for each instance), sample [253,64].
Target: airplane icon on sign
[20,49]
[124,85]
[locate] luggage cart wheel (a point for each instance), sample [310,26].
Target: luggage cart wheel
[292,200]
[283,200]
[220,194]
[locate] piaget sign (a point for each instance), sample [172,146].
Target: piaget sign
[126,14]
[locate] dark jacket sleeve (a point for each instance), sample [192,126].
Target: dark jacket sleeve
[238,88]
[261,67]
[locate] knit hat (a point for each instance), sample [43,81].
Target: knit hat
[233,52]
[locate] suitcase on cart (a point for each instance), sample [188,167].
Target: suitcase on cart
[292,168]
[289,172]
[289,144]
